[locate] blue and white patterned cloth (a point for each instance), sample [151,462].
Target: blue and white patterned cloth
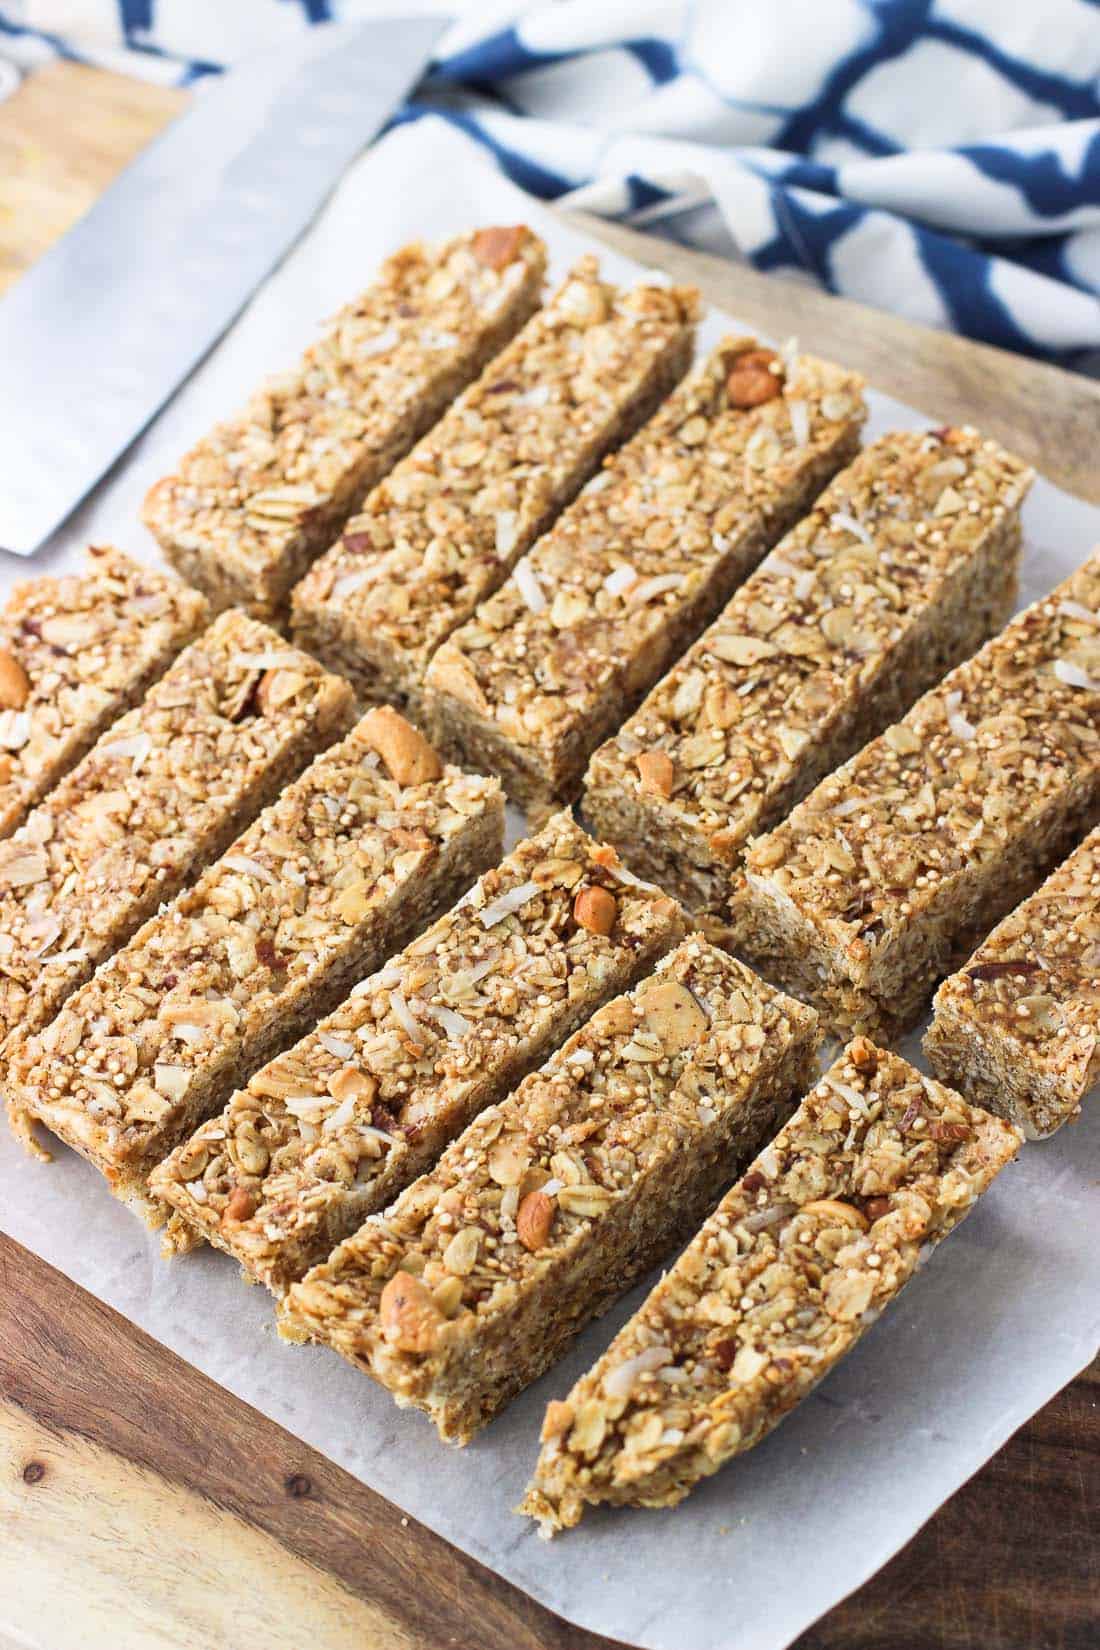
[940,158]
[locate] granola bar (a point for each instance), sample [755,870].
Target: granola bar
[359,854]
[554,1202]
[331,1131]
[447,527]
[166,789]
[905,566]
[884,879]
[635,568]
[1018,1029]
[75,652]
[831,1221]
[259,497]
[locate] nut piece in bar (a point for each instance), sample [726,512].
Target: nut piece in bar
[163,792]
[905,566]
[76,651]
[886,877]
[355,857]
[638,564]
[368,1101]
[258,498]
[552,1203]
[443,531]
[831,1221]
[1018,1029]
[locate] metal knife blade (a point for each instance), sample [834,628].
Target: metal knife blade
[97,335]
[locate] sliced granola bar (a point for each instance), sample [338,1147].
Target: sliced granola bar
[163,791]
[355,857]
[1018,1029]
[905,566]
[447,527]
[883,880]
[554,1202]
[75,652]
[637,566]
[875,1168]
[332,1130]
[259,497]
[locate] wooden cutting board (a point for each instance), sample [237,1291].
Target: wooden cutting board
[144,1508]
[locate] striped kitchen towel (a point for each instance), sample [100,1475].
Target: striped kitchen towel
[939,158]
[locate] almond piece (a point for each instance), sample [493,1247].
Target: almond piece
[278,687]
[7,767]
[835,1212]
[656,772]
[751,382]
[241,1206]
[498,247]
[15,684]
[408,757]
[673,1015]
[349,1083]
[409,1316]
[534,1218]
[595,909]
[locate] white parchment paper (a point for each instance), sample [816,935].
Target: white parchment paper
[1004,1315]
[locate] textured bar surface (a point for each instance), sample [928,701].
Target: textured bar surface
[905,566]
[876,1167]
[75,653]
[446,528]
[554,1202]
[635,568]
[369,1100]
[258,498]
[345,866]
[1018,1029]
[884,879]
[163,791]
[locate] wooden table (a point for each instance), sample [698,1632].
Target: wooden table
[144,1508]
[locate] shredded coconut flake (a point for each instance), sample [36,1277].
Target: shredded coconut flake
[507,532]
[250,867]
[453,1023]
[137,748]
[344,1113]
[649,588]
[799,414]
[15,729]
[1075,610]
[505,904]
[348,584]
[266,661]
[335,1046]
[404,1014]
[849,524]
[621,579]
[619,1382]
[529,587]
[1074,676]
[379,344]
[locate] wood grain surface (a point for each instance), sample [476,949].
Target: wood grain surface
[144,1508]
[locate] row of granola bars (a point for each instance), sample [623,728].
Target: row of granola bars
[446,1169]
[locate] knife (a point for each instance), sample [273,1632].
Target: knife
[101,330]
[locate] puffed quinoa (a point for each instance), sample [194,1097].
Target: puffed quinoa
[162,792]
[258,498]
[883,880]
[553,1202]
[75,653]
[368,1101]
[343,867]
[906,564]
[875,1168]
[1018,1029]
[444,531]
[636,566]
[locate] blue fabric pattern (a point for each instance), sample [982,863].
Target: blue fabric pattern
[939,158]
